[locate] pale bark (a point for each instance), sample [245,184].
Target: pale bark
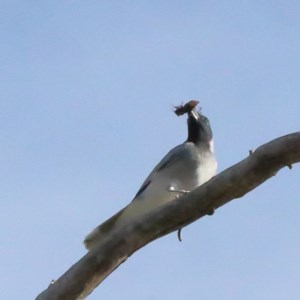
[234,182]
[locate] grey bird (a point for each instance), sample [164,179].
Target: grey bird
[184,168]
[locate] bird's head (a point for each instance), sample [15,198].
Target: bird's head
[199,130]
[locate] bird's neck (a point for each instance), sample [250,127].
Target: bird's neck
[205,146]
[193,136]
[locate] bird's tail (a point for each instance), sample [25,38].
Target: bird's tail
[93,238]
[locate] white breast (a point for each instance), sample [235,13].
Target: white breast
[207,167]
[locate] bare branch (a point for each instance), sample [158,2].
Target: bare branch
[234,182]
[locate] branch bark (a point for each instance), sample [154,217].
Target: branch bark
[263,163]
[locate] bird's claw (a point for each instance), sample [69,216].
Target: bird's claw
[172,189]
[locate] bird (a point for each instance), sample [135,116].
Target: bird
[181,170]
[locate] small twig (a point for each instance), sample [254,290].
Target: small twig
[211,211]
[179,234]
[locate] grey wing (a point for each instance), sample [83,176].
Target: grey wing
[172,156]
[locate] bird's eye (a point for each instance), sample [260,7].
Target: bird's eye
[205,120]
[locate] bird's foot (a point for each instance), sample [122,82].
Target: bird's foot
[172,189]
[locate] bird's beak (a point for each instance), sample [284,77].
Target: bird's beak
[194,115]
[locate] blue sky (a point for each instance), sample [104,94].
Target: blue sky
[86,96]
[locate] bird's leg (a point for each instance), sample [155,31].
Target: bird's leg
[172,189]
[182,192]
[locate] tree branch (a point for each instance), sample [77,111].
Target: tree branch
[263,163]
